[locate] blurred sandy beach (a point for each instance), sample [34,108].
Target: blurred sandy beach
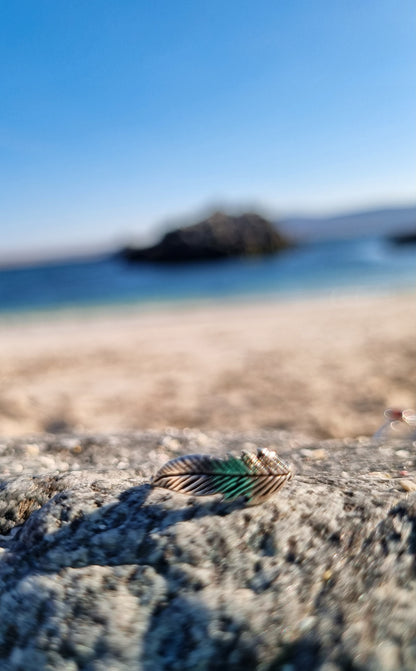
[327,367]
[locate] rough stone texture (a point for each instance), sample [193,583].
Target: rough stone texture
[219,236]
[99,571]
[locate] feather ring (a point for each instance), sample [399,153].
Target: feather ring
[253,476]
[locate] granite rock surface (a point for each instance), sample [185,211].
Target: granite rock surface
[98,571]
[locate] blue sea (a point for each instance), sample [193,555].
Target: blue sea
[372,264]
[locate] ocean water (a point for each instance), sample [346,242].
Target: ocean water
[318,268]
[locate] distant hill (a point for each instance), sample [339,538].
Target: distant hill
[387,221]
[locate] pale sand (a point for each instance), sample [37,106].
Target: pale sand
[327,367]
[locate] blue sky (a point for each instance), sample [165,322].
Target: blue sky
[118,115]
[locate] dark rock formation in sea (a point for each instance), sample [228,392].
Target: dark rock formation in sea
[217,237]
[408,238]
[100,571]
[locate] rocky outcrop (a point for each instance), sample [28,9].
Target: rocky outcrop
[404,238]
[100,571]
[217,237]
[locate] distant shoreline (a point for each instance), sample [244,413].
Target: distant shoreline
[175,306]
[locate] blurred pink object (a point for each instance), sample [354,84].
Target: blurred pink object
[399,424]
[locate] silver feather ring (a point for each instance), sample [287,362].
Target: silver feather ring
[252,476]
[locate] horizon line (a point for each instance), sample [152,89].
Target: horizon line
[78,251]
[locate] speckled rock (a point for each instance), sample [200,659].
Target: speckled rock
[98,571]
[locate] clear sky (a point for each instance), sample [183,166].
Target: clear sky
[116,115]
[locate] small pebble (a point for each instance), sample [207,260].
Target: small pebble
[32,450]
[408,485]
[313,454]
[171,443]
[307,623]
[402,453]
